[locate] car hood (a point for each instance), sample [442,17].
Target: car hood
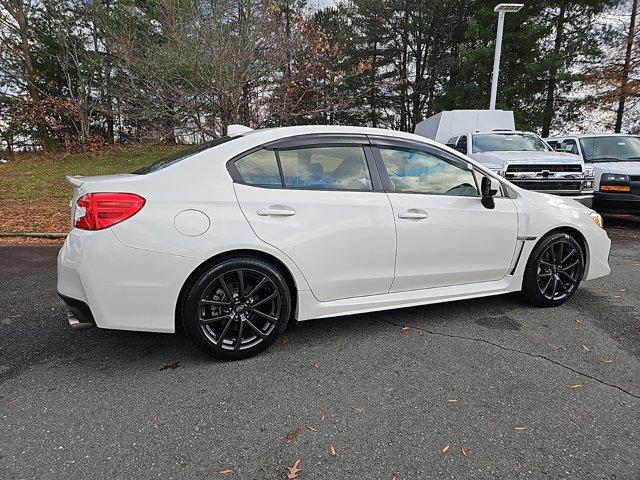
[498,159]
[632,168]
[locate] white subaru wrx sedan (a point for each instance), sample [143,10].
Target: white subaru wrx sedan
[239,236]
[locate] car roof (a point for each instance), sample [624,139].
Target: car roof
[503,132]
[263,136]
[591,135]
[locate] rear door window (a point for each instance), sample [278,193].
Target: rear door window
[326,168]
[260,168]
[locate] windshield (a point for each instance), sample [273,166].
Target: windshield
[508,142]
[610,149]
[177,157]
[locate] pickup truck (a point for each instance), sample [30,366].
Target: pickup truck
[616,161]
[489,136]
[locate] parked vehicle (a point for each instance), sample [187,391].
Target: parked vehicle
[490,137]
[242,235]
[616,159]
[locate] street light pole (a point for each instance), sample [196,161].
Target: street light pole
[501,9]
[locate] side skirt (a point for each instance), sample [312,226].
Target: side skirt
[309,308]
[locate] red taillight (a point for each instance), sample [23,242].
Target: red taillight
[95,211]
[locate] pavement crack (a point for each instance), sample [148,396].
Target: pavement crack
[514,350]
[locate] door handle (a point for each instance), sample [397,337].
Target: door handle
[276,212]
[413,214]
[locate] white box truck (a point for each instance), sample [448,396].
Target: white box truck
[490,137]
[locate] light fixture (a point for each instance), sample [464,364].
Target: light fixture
[508,7]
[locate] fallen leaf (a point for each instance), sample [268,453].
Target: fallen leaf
[172,366]
[445,448]
[579,322]
[316,365]
[285,342]
[311,429]
[332,449]
[322,418]
[405,329]
[226,471]
[520,428]
[463,451]
[452,400]
[606,360]
[585,348]
[356,409]
[293,470]
[340,343]
[394,477]
[291,436]
[577,385]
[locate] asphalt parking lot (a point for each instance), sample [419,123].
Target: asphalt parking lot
[486,388]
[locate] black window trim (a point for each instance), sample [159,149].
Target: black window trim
[312,140]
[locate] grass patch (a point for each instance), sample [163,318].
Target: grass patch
[38,176]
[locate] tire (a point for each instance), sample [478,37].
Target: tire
[237,308]
[554,270]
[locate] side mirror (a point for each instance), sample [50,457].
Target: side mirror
[487,193]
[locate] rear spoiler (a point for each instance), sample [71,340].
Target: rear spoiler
[75,180]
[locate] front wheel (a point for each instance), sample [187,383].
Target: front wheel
[554,270]
[237,308]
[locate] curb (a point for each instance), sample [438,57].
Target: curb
[33,234]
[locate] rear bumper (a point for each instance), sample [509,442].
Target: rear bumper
[610,202]
[114,286]
[80,316]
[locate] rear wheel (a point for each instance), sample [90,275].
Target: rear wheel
[237,308]
[554,270]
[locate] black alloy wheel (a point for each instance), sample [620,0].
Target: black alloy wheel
[554,270]
[237,309]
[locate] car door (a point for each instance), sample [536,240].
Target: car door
[445,236]
[319,203]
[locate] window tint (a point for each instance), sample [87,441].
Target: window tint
[461,146]
[178,157]
[421,172]
[570,146]
[260,168]
[327,168]
[611,149]
[508,142]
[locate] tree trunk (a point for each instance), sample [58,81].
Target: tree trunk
[626,67]
[548,114]
[23,25]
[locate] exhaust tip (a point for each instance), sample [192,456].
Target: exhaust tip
[76,324]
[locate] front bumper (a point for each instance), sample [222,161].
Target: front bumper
[586,200]
[616,202]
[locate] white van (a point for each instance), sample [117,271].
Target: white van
[616,160]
